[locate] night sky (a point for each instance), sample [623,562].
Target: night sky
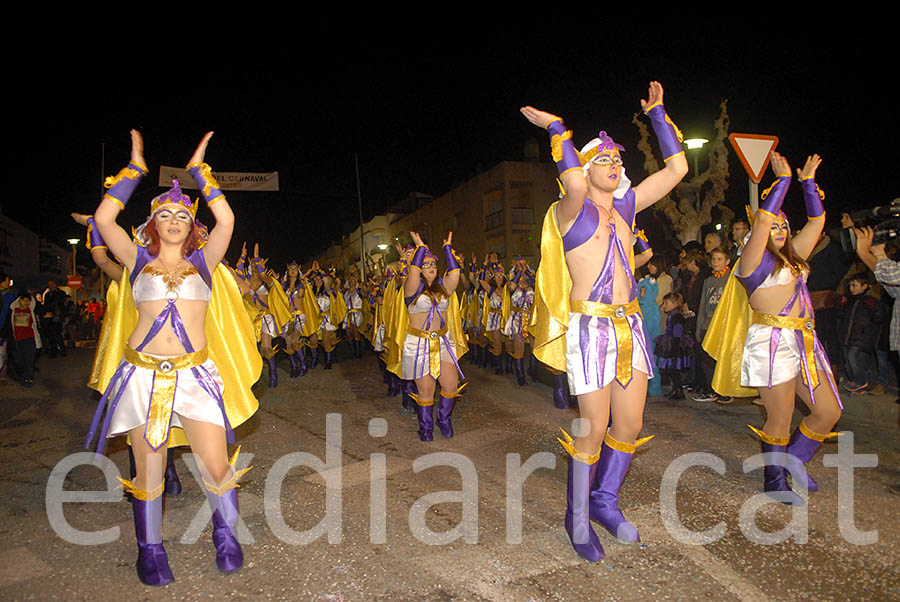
[425,112]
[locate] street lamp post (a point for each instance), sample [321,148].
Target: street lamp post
[695,144]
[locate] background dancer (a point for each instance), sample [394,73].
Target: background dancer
[433,340]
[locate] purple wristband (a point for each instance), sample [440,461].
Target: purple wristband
[419,258]
[94,240]
[562,148]
[668,135]
[772,198]
[122,185]
[813,197]
[209,188]
[641,246]
[450,257]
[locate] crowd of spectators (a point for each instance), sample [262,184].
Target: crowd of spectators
[45,324]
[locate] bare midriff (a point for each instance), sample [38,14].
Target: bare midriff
[585,262]
[166,343]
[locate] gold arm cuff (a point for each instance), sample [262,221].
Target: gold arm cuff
[140,494]
[769,213]
[568,170]
[667,159]
[115,200]
[768,438]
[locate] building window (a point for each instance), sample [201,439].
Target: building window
[522,216]
[493,220]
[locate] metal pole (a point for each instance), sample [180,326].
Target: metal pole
[754,196]
[362,255]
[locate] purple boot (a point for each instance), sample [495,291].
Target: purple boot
[295,365]
[560,398]
[409,393]
[445,409]
[173,483]
[302,357]
[578,524]
[152,563]
[775,471]
[314,354]
[498,364]
[520,371]
[273,372]
[329,359]
[532,367]
[394,385]
[615,458]
[424,412]
[803,445]
[229,556]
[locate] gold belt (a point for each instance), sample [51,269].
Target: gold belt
[518,309]
[619,316]
[434,347]
[162,397]
[805,325]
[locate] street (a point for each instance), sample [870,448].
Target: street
[374,555]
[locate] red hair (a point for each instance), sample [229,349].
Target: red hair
[191,243]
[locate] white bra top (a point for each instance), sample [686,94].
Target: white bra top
[152,284]
[422,305]
[779,278]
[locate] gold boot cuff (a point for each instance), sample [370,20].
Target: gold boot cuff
[768,438]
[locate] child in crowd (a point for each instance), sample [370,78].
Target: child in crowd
[25,333]
[719,260]
[860,317]
[675,348]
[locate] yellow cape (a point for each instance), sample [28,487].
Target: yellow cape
[338,309]
[229,336]
[724,340]
[553,286]
[279,306]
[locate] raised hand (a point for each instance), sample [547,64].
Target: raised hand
[417,240]
[200,151]
[244,249]
[809,168]
[79,218]
[654,95]
[537,117]
[256,251]
[780,165]
[137,148]
[449,239]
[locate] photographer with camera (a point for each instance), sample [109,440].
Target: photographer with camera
[887,272]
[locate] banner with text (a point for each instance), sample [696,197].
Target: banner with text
[228,180]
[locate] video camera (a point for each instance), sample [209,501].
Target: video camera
[884,220]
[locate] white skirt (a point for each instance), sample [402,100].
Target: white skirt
[416,360]
[379,339]
[756,359]
[268,325]
[581,382]
[191,399]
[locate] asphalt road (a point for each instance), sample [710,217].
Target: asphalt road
[392,536]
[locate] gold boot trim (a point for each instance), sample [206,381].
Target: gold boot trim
[231,483]
[621,446]
[141,494]
[814,435]
[421,402]
[568,445]
[768,438]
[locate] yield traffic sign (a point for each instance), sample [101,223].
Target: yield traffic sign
[753,151]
